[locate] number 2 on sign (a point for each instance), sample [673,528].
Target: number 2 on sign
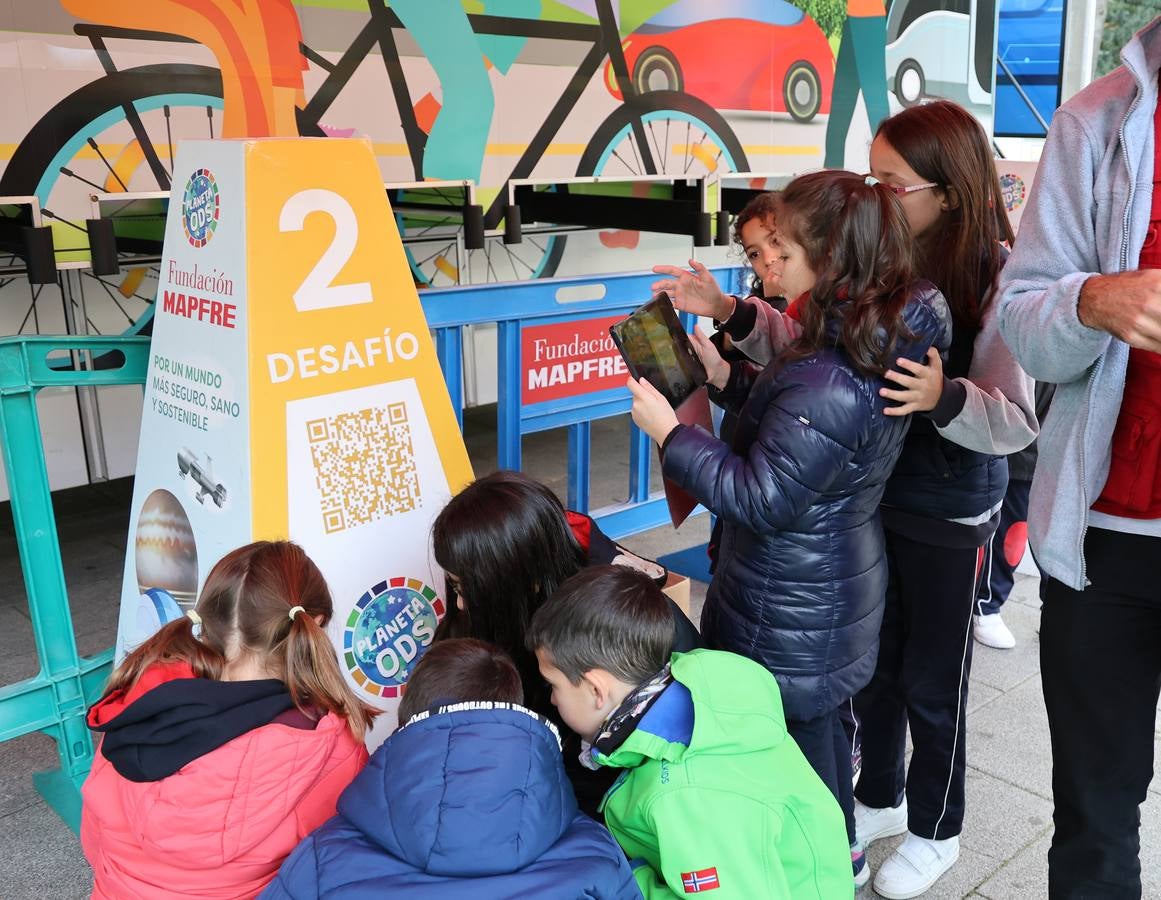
[317,290]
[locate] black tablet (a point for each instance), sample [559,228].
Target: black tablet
[658,349]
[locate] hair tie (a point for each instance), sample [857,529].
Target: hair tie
[294,611]
[870,180]
[192,615]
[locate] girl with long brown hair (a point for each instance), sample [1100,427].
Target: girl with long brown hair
[801,571]
[227,736]
[943,502]
[506,543]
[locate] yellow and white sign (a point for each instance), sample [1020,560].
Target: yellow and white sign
[293,391]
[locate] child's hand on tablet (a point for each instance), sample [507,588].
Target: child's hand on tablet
[717,370]
[651,411]
[696,292]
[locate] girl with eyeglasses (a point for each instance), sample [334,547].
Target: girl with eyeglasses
[942,504]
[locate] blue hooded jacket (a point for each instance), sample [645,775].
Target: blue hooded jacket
[469,801]
[802,571]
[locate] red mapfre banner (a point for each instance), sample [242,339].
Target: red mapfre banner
[567,359]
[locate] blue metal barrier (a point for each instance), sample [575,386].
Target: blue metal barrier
[515,307]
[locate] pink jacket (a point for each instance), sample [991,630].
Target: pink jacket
[222,825]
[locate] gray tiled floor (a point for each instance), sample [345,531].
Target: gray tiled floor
[1009,808]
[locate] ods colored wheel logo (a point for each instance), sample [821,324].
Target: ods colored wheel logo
[200,208]
[1012,191]
[387,632]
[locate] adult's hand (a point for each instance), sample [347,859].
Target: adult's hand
[651,411]
[1127,305]
[717,369]
[920,386]
[695,292]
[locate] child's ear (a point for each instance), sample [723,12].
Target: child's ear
[598,687]
[950,199]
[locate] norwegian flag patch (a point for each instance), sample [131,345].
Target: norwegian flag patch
[701,880]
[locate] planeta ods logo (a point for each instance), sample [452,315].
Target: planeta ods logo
[1012,191]
[387,632]
[201,206]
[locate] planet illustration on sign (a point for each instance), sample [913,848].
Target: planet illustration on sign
[165,552]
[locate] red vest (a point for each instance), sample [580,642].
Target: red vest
[1134,487]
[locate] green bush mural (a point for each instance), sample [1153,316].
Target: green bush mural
[829,14]
[1122,19]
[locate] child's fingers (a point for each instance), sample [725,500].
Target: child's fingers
[671,271]
[701,342]
[698,268]
[897,396]
[643,390]
[649,391]
[899,378]
[664,287]
[915,368]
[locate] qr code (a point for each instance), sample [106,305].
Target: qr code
[364,466]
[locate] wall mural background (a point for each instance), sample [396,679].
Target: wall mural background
[98,93]
[99,90]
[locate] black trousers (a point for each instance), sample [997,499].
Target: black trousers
[823,741]
[1100,662]
[921,680]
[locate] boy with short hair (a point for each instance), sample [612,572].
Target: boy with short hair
[715,795]
[468,798]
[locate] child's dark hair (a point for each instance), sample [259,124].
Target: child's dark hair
[244,607]
[960,253]
[507,540]
[761,207]
[858,245]
[606,617]
[458,671]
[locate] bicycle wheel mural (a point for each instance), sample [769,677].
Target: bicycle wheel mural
[486,90]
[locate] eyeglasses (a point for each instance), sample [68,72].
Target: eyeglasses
[900,190]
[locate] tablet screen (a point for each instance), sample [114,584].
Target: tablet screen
[658,349]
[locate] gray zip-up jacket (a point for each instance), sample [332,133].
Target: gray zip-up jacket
[1087,215]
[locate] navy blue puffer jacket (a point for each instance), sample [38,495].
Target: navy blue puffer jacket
[801,571]
[467,802]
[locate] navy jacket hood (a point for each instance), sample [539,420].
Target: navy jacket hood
[467,792]
[467,801]
[182,720]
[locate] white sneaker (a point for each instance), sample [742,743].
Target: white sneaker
[872,824]
[992,632]
[915,867]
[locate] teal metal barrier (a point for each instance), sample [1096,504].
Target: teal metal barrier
[54,701]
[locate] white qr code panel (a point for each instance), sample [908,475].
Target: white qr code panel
[364,465]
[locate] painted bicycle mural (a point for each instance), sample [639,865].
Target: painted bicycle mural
[446,90]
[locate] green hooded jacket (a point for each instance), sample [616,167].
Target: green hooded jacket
[716,795]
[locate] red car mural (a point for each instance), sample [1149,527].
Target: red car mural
[758,55]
